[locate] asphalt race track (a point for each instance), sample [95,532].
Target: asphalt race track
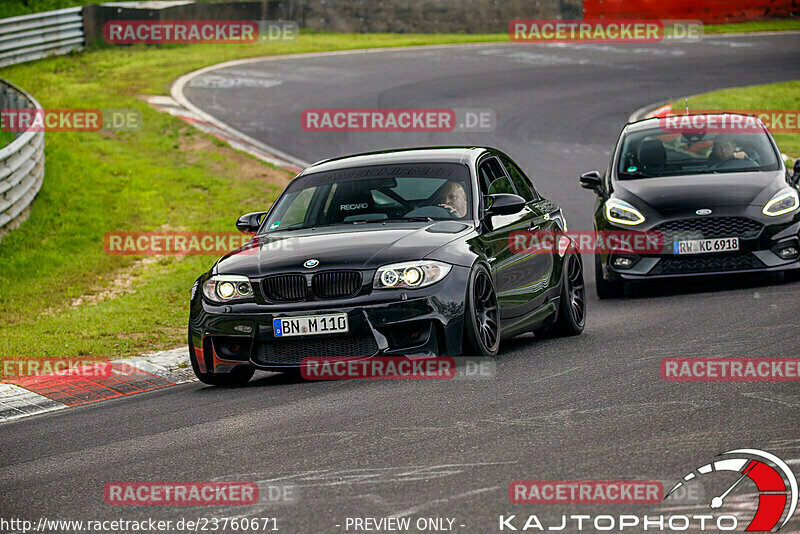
[591,407]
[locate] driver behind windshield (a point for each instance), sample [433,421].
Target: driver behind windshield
[452,197]
[724,148]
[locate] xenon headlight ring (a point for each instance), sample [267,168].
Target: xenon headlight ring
[620,212]
[227,287]
[410,274]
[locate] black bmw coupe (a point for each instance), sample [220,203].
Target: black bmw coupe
[404,252]
[719,195]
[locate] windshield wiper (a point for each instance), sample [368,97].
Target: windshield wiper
[393,219]
[738,169]
[358,221]
[413,219]
[637,174]
[289,228]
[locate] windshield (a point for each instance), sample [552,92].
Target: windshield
[653,152]
[429,191]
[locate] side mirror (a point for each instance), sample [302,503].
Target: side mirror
[504,204]
[248,224]
[591,180]
[796,175]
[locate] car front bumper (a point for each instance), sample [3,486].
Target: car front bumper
[420,322]
[757,253]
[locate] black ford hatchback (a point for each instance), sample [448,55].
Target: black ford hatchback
[713,186]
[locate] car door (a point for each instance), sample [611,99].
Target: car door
[508,268]
[541,271]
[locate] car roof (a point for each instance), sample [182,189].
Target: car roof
[448,154]
[648,123]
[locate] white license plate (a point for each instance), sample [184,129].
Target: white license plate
[309,325]
[705,246]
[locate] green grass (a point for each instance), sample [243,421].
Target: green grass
[13,8]
[166,175]
[784,96]
[6,138]
[778,25]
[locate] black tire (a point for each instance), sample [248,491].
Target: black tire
[606,289]
[240,375]
[481,316]
[571,316]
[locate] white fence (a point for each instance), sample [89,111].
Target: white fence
[22,39]
[21,161]
[38,35]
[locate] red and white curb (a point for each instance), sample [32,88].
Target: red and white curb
[235,139]
[33,395]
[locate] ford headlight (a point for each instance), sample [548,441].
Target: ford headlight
[620,212]
[410,275]
[784,201]
[227,287]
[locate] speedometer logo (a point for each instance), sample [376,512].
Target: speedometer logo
[770,475]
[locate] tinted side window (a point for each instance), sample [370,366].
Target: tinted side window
[295,207]
[521,182]
[492,173]
[501,185]
[485,177]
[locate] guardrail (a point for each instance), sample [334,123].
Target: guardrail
[35,36]
[21,161]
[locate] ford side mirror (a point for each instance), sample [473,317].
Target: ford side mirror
[591,180]
[249,224]
[796,175]
[504,204]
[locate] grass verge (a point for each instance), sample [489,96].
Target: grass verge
[779,25]
[6,138]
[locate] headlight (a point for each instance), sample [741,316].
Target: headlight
[784,201]
[410,275]
[620,212]
[226,287]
